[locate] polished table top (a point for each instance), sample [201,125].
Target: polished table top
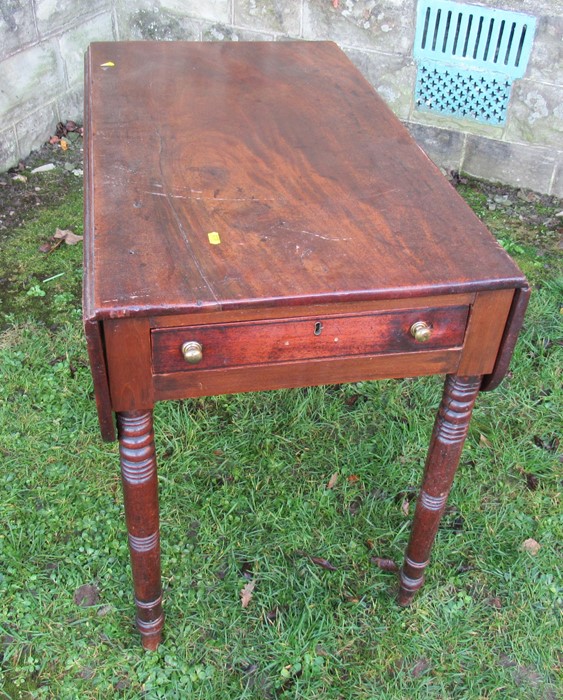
[262,174]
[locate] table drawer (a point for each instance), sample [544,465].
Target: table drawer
[296,339]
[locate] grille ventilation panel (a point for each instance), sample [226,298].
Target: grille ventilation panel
[467,58]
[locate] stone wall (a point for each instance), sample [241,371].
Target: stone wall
[42,43]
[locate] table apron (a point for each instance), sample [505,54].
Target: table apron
[146,364]
[177,385]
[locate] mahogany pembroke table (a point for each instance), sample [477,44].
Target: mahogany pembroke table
[257,218]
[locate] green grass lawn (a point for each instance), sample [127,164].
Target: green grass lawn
[245,496]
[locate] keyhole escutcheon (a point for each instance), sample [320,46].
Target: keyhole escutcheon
[318,328]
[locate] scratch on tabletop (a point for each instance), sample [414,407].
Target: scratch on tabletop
[307,233]
[211,199]
[185,237]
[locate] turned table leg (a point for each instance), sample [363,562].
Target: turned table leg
[140,491]
[448,436]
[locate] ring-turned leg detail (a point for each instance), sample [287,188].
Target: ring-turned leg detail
[140,490]
[432,502]
[448,436]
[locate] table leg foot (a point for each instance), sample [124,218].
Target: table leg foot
[140,490]
[446,444]
[151,632]
[152,642]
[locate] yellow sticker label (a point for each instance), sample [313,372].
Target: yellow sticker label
[109,64]
[214,238]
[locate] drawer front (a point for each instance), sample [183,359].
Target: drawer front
[297,339]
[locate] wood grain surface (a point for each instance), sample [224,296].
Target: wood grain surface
[287,156]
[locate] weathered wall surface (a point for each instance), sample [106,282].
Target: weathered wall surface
[41,67]
[42,44]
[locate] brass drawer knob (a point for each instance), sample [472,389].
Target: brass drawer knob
[421,331]
[192,352]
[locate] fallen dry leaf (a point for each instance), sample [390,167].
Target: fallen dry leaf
[355,506]
[421,666]
[64,144]
[532,481]
[86,595]
[319,561]
[352,479]
[246,593]
[405,505]
[531,546]
[323,563]
[86,673]
[272,615]
[246,570]
[406,497]
[67,236]
[549,443]
[385,564]
[484,442]
[352,400]
[494,602]
[104,610]
[332,481]
[49,246]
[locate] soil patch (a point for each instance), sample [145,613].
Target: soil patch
[23,191]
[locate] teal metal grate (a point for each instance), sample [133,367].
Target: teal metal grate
[467,58]
[462,93]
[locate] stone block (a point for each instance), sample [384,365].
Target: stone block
[444,121]
[159,25]
[529,7]
[511,163]
[443,146]
[557,182]
[70,105]
[55,15]
[391,75]
[214,10]
[535,114]
[222,32]
[35,128]
[286,37]
[546,61]
[169,20]
[30,78]
[8,149]
[17,27]
[74,42]
[280,16]
[382,25]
